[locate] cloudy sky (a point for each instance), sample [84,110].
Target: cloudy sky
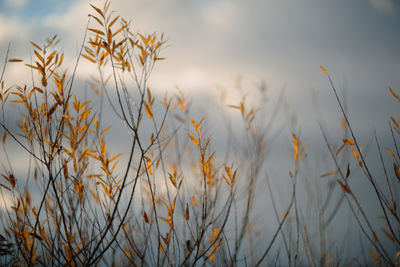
[213,42]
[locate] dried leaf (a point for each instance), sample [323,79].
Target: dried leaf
[15,60]
[145,217]
[374,256]
[389,235]
[345,187]
[187,216]
[396,170]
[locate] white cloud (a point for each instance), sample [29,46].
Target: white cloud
[222,15]
[16,3]
[12,29]
[384,5]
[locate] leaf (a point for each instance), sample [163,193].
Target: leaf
[4,137]
[65,169]
[172,179]
[394,94]
[328,174]
[187,212]
[349,142]
[148,110]
[295,147]
[98,10]
[195,142]
[195,124]
[194,201]
[387,234]
[345,187]
[396,170]
[324,70]
[96,31]
[89,58]
[374,256]
[39,56]
[105,130]
[68,117]
[355,154]
[6,187]
[390,152]
[145,217]
[35,45]
[15,60]
[112,22]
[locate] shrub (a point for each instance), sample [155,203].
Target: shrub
[172,198]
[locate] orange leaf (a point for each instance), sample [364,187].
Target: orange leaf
[345,187]
[396,170]
[15,60]
[348,142]
[374,256]
[390,152]
[324,70]
[194,140]
[148,110]
[394,94]
[194,201]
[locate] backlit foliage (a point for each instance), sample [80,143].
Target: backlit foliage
[171,199]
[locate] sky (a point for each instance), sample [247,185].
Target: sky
[213,42]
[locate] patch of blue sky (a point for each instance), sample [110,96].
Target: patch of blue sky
[33,10]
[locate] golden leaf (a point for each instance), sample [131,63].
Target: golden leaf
[172,179]
[35,45]
[89,58]
[105,130]
[98,10]
[355,154]
[15,60]
[148,110]
[324,70]
[113,21]
[194,201]
[348,142]
[195,142]
[295,147]
[390,152]
[394,94]
[96,31]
